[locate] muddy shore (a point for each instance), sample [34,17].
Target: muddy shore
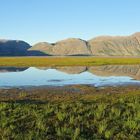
[60,93]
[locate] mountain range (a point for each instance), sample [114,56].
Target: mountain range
[99,46]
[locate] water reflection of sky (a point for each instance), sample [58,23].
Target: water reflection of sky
[36,77]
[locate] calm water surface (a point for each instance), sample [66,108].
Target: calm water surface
[60,76]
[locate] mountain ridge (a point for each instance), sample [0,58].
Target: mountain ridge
[98,46]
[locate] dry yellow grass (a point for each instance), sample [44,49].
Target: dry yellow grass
[65,61]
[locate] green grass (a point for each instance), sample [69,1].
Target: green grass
[64,61]
[89,117]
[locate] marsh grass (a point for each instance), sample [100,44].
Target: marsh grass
[65,61]
[115,116]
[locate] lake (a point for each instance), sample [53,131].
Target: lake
[107,75]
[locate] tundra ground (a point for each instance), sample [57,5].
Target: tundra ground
[66,61]
[74,112]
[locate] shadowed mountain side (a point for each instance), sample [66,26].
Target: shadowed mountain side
[17,48]
[36,53]
[13,48]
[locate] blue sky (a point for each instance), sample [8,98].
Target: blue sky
[53,20]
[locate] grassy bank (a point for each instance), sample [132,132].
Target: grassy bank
[89,116]
[64,61]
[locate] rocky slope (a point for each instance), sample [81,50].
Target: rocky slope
[71,47]
[66,47]
[43,47]
[100,46]
[116,46]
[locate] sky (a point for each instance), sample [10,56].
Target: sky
[53,20]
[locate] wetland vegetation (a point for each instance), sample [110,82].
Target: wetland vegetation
[66,61]
[92,113]
[76,112]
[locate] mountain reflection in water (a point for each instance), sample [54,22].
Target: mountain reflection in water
[107,75]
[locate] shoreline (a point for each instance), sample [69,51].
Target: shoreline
[72,92]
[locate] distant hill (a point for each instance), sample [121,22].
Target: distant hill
[13,48]
[116,46]
[99,46]
[68,47]
[16,48]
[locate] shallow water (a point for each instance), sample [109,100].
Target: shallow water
[60,76]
